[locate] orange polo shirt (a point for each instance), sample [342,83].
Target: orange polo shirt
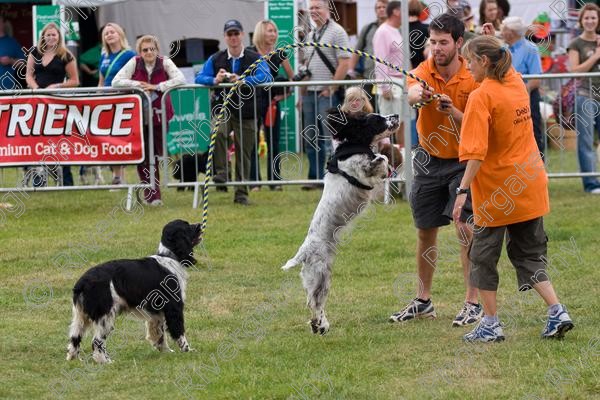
[511,185]
[438,133]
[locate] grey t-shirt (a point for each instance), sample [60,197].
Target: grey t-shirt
[586,49]
[332,34]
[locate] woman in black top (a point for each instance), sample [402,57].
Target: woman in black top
[50,62]
[265,40]
[47,67]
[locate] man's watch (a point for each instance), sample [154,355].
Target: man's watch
[460,190]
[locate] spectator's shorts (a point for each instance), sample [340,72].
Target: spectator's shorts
[433,191]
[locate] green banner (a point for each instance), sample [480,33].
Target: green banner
[282,13]
[189,129]
[42,16]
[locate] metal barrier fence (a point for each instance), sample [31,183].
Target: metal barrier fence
[559,136]
[288,141]
[286,163]
[51,163]
[561,133]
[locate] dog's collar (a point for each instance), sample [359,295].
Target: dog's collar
[344,151]
[165,252]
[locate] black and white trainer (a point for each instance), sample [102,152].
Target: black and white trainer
[415,309]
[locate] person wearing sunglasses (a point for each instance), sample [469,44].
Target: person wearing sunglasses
[155,74]
[226,66]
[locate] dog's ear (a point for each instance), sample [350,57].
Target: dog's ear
[337,121]
[196,234]
[184,247]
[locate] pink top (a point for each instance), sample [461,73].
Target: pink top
[387,45]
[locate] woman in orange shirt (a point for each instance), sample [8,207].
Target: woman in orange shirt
[509,187]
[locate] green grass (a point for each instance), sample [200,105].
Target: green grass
[246,318]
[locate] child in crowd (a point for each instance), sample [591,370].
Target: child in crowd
[357,100]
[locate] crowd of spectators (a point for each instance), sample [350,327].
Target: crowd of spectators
[51,65]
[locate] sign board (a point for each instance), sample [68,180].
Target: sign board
[42,16]
[190,127]
[71,130]
[282,12]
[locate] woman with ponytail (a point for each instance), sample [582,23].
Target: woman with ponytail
[509,187]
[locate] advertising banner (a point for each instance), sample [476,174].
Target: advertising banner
[190,128]
[71,130]
[282,13]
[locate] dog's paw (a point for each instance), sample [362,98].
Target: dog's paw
[72,353]
[290,264]
[163,348]
[319,326]
[184,346]
[186,349]
[101,358]
[379,158]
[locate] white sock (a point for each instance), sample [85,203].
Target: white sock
[554,309]
[490,319]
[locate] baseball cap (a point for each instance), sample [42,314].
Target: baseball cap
[233,25]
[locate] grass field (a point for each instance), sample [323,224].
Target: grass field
[246,318]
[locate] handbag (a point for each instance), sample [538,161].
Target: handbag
[564,104]
[271,114]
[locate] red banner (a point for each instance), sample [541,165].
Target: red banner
[71,130]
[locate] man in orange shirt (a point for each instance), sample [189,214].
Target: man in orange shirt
[436,166]
[510,188]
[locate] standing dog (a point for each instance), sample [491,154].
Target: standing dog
[353,172]
[152,288]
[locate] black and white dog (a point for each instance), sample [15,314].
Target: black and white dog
[152,288]
[353,172]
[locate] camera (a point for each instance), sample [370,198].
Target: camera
[303,74]
[227,77]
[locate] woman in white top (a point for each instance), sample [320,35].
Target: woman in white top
[155,74]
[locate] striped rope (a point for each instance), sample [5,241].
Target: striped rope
[250,69]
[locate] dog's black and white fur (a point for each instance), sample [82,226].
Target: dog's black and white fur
[353,172]
[152,288]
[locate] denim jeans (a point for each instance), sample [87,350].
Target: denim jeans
[316,136]
[587,113]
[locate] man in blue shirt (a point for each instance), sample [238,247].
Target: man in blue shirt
[227,66]
[10,57]
[526,60]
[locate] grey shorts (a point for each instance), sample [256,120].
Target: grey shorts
[433,190]
[526,245]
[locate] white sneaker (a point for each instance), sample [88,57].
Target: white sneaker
[595,191]
[485,333]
